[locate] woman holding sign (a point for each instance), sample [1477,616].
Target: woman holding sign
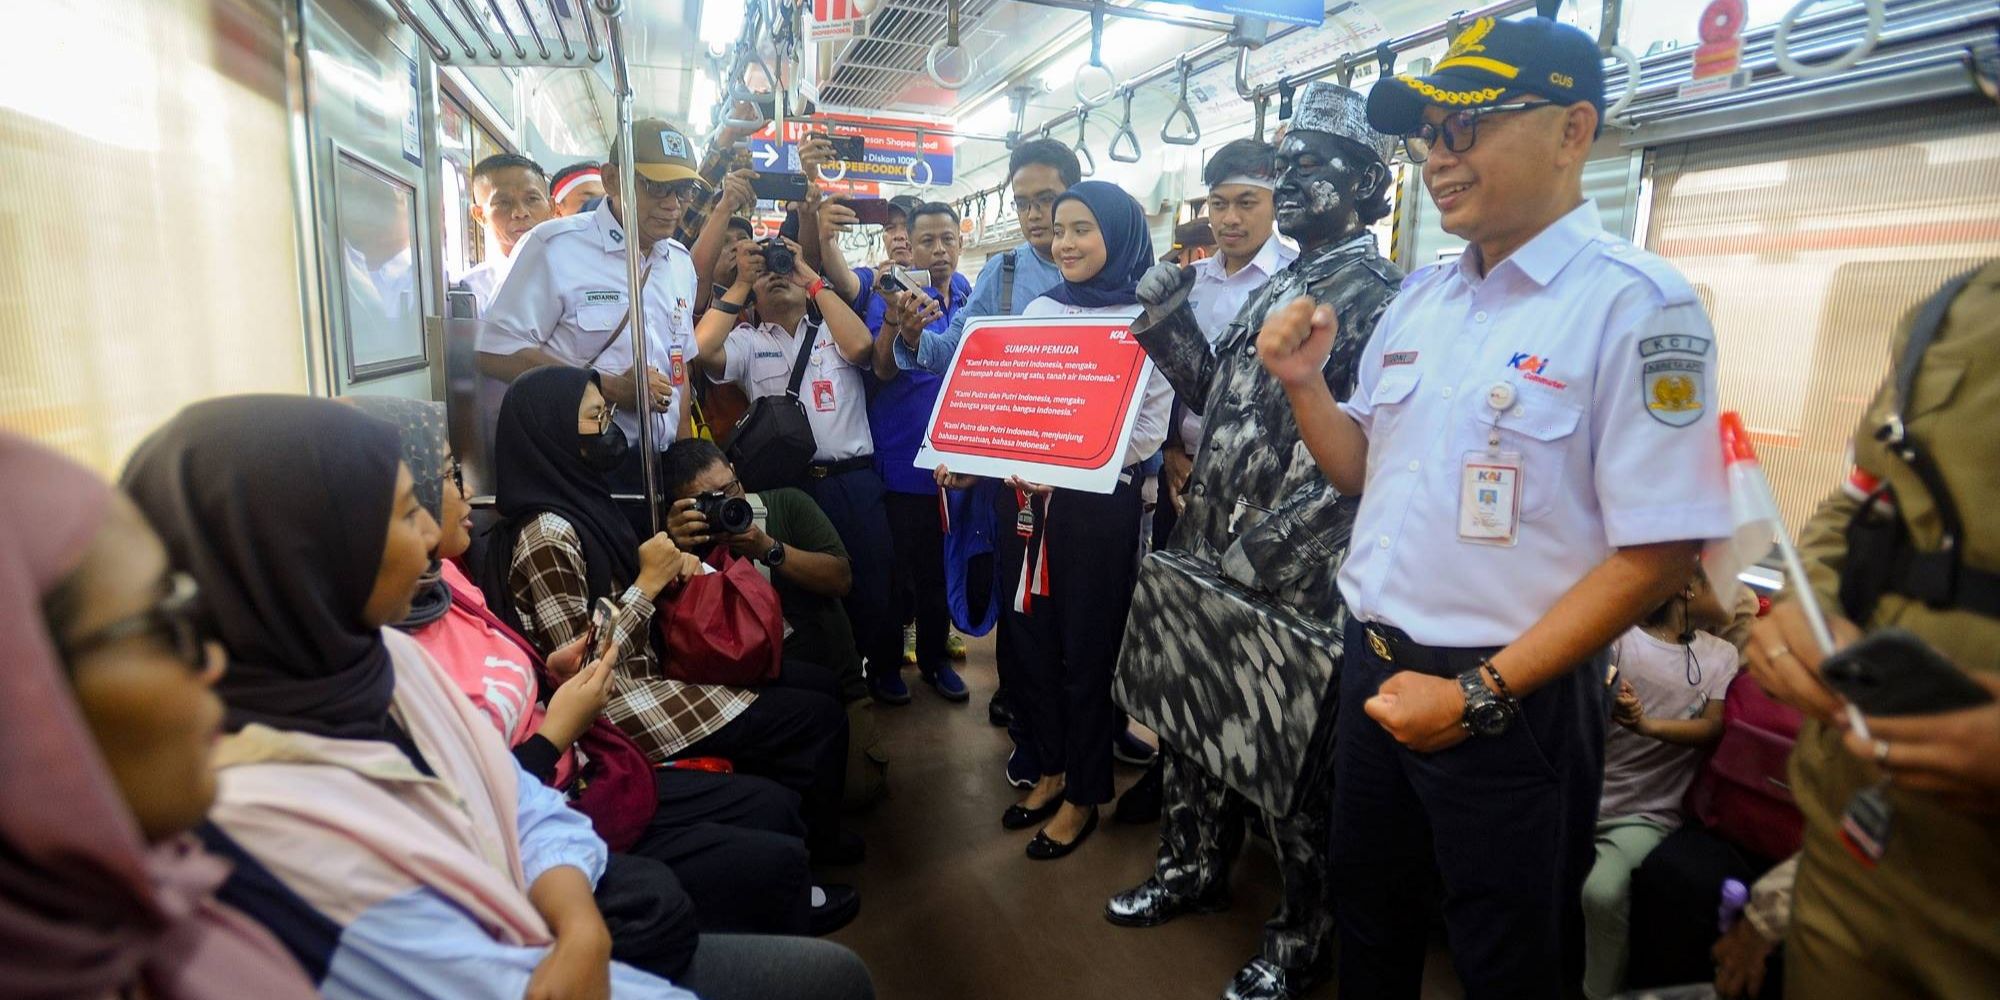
[1072,560]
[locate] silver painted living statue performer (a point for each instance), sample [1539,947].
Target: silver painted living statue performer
[1260,514]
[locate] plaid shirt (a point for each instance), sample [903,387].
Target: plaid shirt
[550,593]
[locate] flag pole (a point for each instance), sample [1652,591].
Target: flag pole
[1736,448]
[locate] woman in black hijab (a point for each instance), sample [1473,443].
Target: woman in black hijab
[565,544]
[302,527]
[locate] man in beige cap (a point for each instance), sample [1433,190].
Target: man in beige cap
[565,301]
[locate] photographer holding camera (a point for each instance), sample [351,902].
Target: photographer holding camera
[784,531]
[794,303]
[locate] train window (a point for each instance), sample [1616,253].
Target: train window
[376,225]
[1809,243]
[464,142]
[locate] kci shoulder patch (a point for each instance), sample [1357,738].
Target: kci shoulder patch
[1671,370]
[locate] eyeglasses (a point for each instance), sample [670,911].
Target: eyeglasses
[684,191]
[456,473]
[1043,202]
[1458,130]
[177,618]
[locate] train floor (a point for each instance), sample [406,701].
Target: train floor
[952,908]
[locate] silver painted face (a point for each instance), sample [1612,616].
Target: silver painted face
[1317,177]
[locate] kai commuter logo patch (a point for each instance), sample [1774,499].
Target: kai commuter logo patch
[1670,375]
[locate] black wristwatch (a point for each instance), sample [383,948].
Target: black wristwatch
[1486,713]
[775,557]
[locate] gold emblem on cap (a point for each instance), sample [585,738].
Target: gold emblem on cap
[1472,40]
[1439,95]
[1469,40]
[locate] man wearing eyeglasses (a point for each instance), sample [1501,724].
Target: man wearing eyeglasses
[565,301]
[1534,425]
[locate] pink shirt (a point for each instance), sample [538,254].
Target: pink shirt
[490,667]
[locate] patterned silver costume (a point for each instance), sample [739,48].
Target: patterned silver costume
[1257,508]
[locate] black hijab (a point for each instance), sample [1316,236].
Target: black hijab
[538,463]
[279,507]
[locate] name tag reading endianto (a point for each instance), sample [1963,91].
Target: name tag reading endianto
[1489,498]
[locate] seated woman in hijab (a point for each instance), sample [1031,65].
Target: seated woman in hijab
[354,771]
[564,545]
[105,681]
[1069,636]
[734,843]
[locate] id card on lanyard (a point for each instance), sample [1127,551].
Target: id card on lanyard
[1489,483]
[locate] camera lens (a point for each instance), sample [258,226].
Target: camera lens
[735,516]
[779,259]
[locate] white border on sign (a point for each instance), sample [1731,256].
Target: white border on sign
[1103,479]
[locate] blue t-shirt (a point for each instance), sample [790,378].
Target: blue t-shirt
[901,408]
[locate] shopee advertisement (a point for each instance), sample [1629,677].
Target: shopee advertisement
[1049,399]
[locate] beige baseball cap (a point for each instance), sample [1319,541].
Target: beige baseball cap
[664,152]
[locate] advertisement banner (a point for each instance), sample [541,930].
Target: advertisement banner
[1049,399]
[891,148]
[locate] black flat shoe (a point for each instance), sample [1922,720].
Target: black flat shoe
[1045,848]
[838,906]
[1020,817]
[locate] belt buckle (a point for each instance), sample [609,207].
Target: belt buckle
[816,471]
[1379,645]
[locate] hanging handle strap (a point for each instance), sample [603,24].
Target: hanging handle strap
[1083,156]
[1182,110]
[1125,135]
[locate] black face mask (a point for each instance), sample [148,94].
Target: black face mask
[605,452]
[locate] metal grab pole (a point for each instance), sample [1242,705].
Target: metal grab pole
[642,391]
[1410,41]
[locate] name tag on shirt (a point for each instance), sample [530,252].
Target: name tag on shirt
[603,297]
[677,365]
[822,389]
[1489,498]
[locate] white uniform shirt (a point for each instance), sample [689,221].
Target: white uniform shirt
[1149,430]
[1605,365]
[484,279]
[1217,296]
[760,360]
[565,292]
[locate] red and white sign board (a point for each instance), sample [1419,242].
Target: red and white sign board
[1051,400]
[835,20]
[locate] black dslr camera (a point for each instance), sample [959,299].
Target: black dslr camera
[778,257]
[727,515]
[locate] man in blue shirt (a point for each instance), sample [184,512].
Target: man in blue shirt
[899,408]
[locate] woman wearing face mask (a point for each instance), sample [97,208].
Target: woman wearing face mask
[564,544]
[734,843]
[105,680]
[354,771]
[1090,542]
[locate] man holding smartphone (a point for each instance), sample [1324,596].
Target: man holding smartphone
[1911,540]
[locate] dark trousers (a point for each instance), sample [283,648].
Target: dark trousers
[853,501]
[795,733]
[1066,646]
[919,576]
[649,913]
[737,844]
[1201,833]
[1675,894]
[1507,822]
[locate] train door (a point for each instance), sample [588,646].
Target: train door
[367,90]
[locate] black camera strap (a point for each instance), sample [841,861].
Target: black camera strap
[1939,578]
[814,321]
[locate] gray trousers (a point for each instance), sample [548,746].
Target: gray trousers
[765,967]
[1201,833]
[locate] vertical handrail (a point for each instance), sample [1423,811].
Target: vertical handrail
[508,28]
[472,18]
[649,458]
[555,18]
[529,16]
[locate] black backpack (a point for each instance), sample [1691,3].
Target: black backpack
[773,444]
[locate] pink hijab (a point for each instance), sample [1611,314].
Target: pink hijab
[87,907]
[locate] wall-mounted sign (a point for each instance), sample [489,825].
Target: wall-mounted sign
[1308,12]
[1718,60]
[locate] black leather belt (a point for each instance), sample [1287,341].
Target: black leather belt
[1395,646]
[821,470]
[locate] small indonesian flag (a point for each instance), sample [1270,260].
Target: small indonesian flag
[1754,512]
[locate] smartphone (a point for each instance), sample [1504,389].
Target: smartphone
[598,638]
[780,187]
[902,280]
[873,211]
[847,148]
[1893,672]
